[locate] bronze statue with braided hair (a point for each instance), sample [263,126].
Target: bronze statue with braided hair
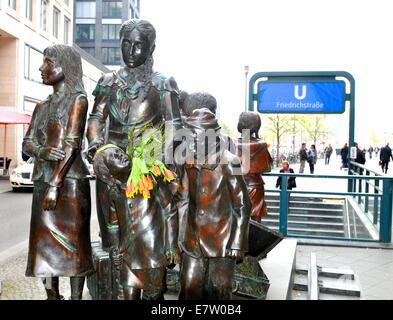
[134,97]
[60,223]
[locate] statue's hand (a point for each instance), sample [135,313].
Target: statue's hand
[91,152]
[238,255]
[173,256]
[116,257]
[51,154]
[50,198]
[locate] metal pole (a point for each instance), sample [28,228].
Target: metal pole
[284,204]
[385,224]
[246,69]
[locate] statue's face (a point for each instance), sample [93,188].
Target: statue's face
[51,71]
[135,48]
[118,162]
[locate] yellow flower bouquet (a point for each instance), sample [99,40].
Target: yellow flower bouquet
[146,165]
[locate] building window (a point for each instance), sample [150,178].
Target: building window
[33,62]
[111,56]
[90,50]
[66,30]
[110,31]
[44,9]
[85,32]
[29,10]
[12,4]
[85,9]
[112,9]
[56,17]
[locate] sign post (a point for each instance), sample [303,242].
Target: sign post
[304,92]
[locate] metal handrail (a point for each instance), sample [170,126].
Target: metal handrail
[385,194]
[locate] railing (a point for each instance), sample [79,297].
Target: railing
[361,187]
[371,208]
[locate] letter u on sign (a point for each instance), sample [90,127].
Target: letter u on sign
[304,92]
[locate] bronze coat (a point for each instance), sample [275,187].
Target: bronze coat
[147,227]
[258,161]
[214,209]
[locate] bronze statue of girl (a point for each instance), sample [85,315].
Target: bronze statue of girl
[60,222]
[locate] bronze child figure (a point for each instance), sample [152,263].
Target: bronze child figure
[60,223]
[214,213]
[143,238]
[256,161]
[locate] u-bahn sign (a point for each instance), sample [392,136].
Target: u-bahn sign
[301,96]
[314,92]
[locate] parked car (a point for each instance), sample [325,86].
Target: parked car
[21,176]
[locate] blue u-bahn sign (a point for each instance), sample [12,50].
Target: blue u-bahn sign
[301,97]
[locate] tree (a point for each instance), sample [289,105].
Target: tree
[278,125]
[315,126]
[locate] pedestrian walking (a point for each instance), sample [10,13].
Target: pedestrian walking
[384,157]
[370,151]
[344,156]
[328,152]
[312,158]
[303,157]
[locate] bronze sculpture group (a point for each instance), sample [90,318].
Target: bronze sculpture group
[199,221]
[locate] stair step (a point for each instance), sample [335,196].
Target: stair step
[293,210]
[310,224]
[303,204]
[292,216]
[313,231]
[300,231]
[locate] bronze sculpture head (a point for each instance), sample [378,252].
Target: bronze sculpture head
[137,38]
[69,61]
[250,121]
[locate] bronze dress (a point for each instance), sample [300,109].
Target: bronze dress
[147,227]
[259,161]
[60,238]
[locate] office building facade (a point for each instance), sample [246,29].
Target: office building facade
[27,27]
[97,25]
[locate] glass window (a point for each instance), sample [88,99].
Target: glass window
[44,5]
[33,62]
[110,31]
[56,17]
[66,30]
[112,9]
[111,56]
[12,4]
[85,32]
[29,10]
[86,9]
[90,50]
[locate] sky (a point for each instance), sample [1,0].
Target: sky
[205,44]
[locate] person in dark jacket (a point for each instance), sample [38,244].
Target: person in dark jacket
[303,157]
[291,180]
[384,157]
[312,158]
[344,156]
